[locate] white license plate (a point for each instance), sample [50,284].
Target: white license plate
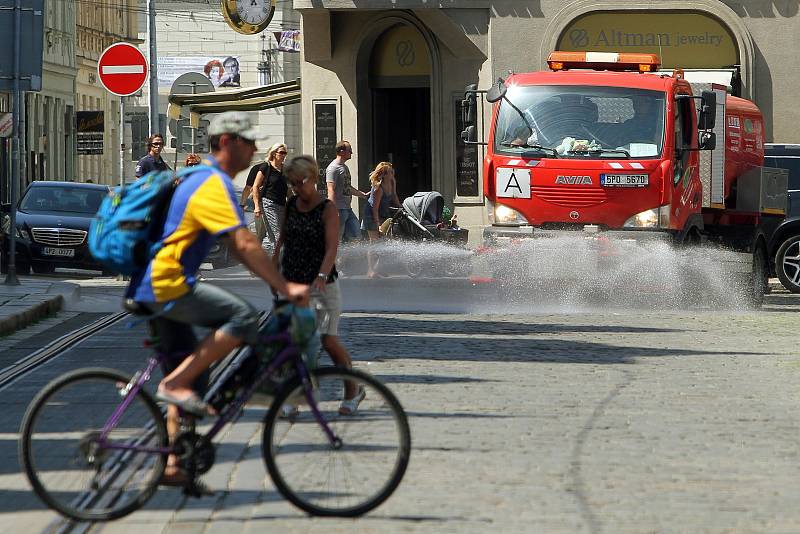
[64,252]
[624,180]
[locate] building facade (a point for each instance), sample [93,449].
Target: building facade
[97,120]
[50,112]
[393,73]
[192,36]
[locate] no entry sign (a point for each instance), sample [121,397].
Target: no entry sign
[122,69]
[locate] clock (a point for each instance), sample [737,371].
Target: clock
[248,16]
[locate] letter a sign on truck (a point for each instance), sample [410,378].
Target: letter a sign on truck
[122,69]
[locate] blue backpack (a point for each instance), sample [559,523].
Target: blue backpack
[125,233]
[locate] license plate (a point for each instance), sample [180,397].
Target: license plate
[624,180]
[64,252]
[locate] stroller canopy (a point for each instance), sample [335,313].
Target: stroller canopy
[426,207]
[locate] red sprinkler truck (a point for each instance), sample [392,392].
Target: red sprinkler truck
[605,145]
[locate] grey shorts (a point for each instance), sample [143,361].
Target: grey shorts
[208,306]
[329,308]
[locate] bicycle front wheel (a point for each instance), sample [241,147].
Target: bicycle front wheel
[71,468]
[345,478]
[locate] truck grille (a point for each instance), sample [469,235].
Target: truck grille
[570,196]
[59,236]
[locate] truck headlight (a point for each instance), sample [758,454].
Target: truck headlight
[505,216]
[652,218]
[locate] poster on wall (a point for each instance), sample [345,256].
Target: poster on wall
[325,136]
[288,40]
[89,130]
[466,160]
[222,71]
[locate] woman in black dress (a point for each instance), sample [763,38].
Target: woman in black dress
[306,253]
[271,185]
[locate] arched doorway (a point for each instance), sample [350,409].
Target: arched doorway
[400,87]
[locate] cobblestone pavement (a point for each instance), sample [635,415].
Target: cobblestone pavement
[640,421]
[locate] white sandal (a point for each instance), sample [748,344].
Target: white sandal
[350,406]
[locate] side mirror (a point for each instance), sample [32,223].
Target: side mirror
[708,141]
[469,105]
[708,111]
[497,91]
[469,134]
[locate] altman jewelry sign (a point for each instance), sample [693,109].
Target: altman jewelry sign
[690,40]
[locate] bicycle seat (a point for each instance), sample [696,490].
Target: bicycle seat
[135,308]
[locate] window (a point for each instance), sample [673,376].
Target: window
[63,199]
[582,121]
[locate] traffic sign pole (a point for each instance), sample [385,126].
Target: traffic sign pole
[11,276]
[122,141]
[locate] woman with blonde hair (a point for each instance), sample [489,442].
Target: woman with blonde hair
[273,189]
[382,196]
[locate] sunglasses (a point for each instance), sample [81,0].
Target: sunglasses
[295,183]
[282,152]
[156,144]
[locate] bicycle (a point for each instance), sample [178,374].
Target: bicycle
[108,462]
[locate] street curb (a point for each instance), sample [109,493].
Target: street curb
[40,310]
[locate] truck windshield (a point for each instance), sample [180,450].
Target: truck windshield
[581,122]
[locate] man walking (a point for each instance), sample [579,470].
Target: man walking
[340,191]
[152,161]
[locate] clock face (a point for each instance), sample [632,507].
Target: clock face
[254,11]
[248,16]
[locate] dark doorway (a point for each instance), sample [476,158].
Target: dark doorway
[402,136]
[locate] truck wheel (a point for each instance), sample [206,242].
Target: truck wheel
[759,283]
[787,264]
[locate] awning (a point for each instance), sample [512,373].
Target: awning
[251,104]
[250,99]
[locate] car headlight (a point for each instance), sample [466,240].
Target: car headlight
[21,233]
[652,218]
[503,215]
[6,224]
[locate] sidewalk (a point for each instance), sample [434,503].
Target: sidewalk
[33,299]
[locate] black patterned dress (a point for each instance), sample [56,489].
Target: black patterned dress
[304,243]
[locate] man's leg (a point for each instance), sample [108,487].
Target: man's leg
[174,340]
[234,319]
[352,228]
[342,223]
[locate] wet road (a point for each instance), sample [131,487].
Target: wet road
[549,419]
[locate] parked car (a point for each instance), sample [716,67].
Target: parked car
[785,245]
[52,222]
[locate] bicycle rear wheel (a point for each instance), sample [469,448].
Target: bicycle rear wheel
[67,466]
[326,480]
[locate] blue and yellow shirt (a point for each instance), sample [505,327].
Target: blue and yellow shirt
[203,207]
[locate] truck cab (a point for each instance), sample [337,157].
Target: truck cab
[606,144]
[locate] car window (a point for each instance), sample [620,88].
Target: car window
[790,163]
[62,199]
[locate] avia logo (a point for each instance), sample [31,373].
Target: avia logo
[574,180]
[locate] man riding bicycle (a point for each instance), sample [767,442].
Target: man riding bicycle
[204,207]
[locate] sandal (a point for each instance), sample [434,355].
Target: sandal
[350,406]
[192,404]
[192,488]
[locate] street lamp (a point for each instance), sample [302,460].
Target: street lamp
[265,65]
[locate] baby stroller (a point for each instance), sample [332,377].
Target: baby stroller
[420,220]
